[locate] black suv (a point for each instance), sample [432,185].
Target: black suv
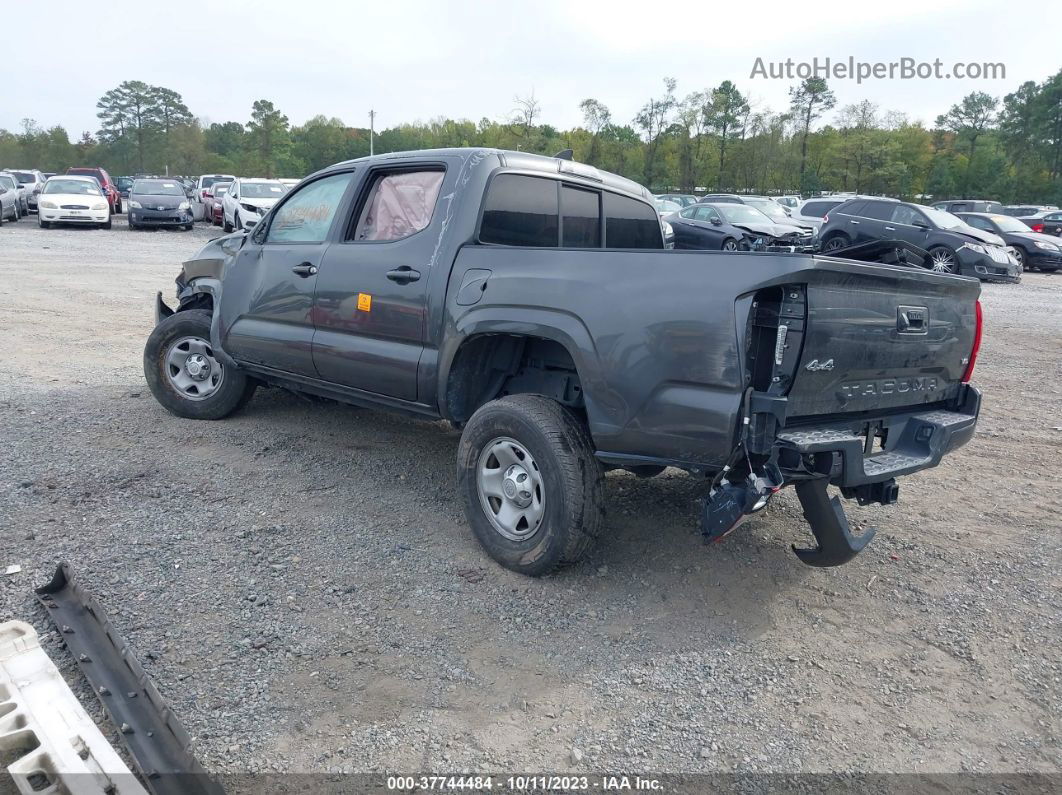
[969,206]
[952,245]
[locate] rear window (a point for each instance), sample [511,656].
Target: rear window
[817,209]
[582,217]
[521,211]
[854,207]
[630,223]
[24,176]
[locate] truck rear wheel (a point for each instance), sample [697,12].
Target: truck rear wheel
[532,488]
[185,376]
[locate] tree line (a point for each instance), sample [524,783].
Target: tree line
[1007,148]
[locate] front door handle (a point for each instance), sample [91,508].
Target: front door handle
[890,228]
[305,269]
[403,275]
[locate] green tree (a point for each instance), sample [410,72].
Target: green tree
[969,120]
[127,113]
[728,111]
[268,137]
[652,120]
[807,102]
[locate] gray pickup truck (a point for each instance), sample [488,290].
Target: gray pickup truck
[532,303]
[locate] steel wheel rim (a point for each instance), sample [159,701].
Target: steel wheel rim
[1019,255]
[192,369]
[730,245]
[942,261]
[511,489]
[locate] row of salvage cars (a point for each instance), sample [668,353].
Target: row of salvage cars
[988,246]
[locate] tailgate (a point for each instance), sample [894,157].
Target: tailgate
[882,338]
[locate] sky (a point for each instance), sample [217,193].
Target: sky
[417,60]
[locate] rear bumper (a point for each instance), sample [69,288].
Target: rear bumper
[913,441]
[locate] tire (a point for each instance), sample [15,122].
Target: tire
[118,208]
[729,245]
[107,224]
[43,224]
[132,227]
[836,242]
[169,341]
[16,213]
[225,225]
[943,260]
[565,480]
[236,222]
[1022,257]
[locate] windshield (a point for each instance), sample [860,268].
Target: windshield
[262,190]
[24,176]
[8,181]
[742,214]
[208,181]
[1008,224]
[941,219]
[157,187]
[769,208]
[81,187]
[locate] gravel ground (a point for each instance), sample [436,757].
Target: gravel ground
[300,582]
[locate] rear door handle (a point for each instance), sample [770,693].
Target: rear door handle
[305,269]
[403,275]
[855,223]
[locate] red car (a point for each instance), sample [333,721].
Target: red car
[114,198]
[217,191]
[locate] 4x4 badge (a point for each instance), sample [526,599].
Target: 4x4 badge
[815,365]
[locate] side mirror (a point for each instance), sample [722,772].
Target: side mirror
[250,222]
[920,224]
[717,222]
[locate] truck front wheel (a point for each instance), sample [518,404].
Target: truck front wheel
[532,488]
[185,376]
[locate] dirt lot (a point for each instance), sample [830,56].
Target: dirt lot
[301,585]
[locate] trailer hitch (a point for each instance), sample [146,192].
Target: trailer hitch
[828,523]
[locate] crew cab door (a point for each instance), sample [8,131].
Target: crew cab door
[267,300]
[371,300]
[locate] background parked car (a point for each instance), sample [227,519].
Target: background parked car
[952,245]
[730,226]
[1047,221]
[681,199]
[776,212]
[124,184]
[1032,249]
[218,189]
[814,210]
[969,206]
[665,207]
[114,198]
[715,198]
[248,200]
[203,196]
[789,202]
[11,181]
[159,202]
[74,199]
[33,182]
[1026,210]
[10,203]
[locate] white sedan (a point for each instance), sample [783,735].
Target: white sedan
[248,200]
[70,199]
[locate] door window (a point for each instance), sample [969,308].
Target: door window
[521,211]
[582,217]
[979,223]
[307,214]
[881,211]
[630,223]
[400,204]
[907,215]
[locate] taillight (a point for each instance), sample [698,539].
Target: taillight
[1038,227]
[976,346]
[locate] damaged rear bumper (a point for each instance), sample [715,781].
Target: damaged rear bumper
[861,456]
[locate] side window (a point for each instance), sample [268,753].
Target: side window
[306,216]
[817,209]
[630,223]
[979,223]
[880,211]
[691,212]
[581,211]
[852,208]
[521,211]
[400,204]
[711,214]
[907,215]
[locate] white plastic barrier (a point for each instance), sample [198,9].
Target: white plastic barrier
[56,746]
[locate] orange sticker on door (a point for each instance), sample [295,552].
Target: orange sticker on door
[364,302]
